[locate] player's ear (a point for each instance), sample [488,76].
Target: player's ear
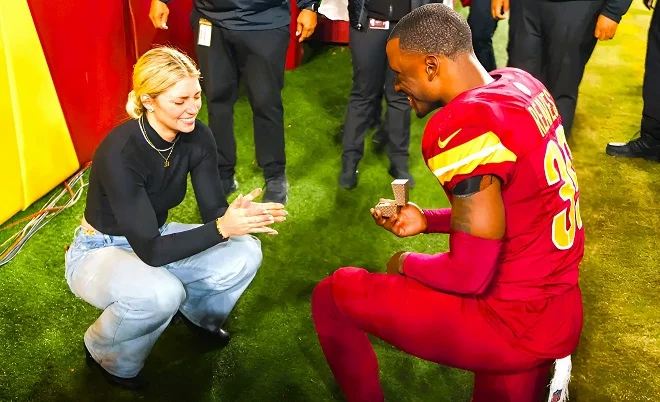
[432,66]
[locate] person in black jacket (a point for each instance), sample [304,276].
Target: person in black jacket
[371,23]
[554,40]
[126,259]
[245,39]
[647,145]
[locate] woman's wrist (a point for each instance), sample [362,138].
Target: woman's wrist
[218,224]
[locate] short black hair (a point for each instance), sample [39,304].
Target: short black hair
[434,29]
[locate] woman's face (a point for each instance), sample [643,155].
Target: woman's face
[177,107]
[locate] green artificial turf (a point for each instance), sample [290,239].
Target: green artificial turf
[274,354]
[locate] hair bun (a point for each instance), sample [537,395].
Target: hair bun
[134,106]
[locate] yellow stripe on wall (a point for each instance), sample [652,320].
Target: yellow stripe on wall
[36,151]
[465,158]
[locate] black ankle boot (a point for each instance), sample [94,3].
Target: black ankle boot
[218,338]
[137,383]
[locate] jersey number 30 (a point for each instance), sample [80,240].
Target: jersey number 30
[559,167]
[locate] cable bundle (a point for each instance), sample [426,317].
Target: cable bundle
[41,218]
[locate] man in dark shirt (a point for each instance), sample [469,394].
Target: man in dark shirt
[242,38]
[647,145]
[554,40]
[371,23]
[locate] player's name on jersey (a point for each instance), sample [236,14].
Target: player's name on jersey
[544,111]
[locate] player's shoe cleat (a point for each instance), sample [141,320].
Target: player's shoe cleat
[642,147]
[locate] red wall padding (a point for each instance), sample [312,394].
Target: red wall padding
[90,50]
[178,33]
[90,55]
[91,47]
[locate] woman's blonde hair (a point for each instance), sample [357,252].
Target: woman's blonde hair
[156,71]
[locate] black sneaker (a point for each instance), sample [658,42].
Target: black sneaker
[137,383]
[402,174]
[277,190]
[229,186]
[643,146]
[348,176]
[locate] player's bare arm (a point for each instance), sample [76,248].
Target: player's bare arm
[477,207]
[478,226]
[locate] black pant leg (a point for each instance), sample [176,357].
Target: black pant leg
[526,43]
[568,28]
[398,123]
[651,89]
[261,58]
[219,82]
[483,27]
[369,61]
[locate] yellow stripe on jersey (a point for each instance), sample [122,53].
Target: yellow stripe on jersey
[465,158]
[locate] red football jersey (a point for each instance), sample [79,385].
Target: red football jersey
[511,128]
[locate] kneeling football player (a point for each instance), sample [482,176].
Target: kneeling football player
[504,301]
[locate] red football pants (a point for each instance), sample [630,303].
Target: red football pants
[439,327]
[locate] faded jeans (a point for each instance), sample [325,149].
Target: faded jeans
[138,300]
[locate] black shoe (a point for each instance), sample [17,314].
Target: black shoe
[136,383]
[348,177]
[229,186]
[277,190]
[402,174]
[642,147]
[220,338]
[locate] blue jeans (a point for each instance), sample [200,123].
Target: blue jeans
[140,300]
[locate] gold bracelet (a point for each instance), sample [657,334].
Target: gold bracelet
[217,226]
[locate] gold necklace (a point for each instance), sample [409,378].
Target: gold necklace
[144,134]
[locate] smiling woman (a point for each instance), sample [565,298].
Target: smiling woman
[125,258]
[166,84]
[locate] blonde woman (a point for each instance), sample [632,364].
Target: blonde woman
[126,259]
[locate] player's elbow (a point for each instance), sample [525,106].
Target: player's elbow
[479,280]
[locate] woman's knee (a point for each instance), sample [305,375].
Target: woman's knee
[168,294]
[240,257]
[249,249]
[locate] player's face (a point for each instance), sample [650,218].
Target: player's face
[416,78]
[177,107]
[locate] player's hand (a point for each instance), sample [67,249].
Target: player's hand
[158,13]
[648,4]
[306,24]
[605,28]
[239,220]
[499,9]
[408,221]
[395,264]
